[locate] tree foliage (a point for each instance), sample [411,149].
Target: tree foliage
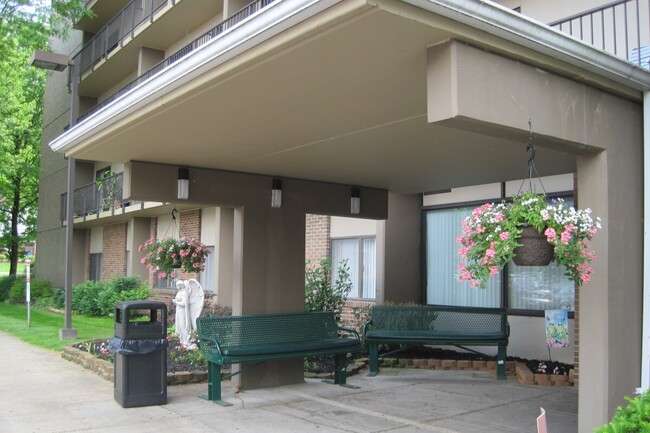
[25,26]
[323,292]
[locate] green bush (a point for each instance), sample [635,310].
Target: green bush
[121,289]
[96,298]
[634,418]
[5,285]
[84,298]
[38,289]
[321,294]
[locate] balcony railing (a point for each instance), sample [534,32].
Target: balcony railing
[111,35]
[96,197]
[239,16]
[621,28]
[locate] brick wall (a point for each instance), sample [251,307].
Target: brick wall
[114,252]
[317,237]
[190,227]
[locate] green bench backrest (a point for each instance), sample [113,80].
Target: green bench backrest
[268,328]
[460,320]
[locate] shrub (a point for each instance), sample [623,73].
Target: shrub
[38,289]
[5,286]
[634,418]
[321,294]
[97,298]
[121,289]
[84,298]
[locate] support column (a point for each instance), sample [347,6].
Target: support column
[269,276]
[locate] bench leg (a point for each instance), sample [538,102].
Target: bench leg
[340,372]
[501,362]
[214,384]
[373,358]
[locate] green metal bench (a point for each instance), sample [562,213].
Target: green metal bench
[267,337]
[437,325]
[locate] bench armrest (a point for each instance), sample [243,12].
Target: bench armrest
[508,329]
[215,344]
[354,333]
[365,328]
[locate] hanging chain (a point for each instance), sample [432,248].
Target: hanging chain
[530,146]
[172,226]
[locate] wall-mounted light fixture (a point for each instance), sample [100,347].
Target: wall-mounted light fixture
[355,201]
[183,183]
[276,193]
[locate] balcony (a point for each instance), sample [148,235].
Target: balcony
[621,28]
[208,36]
[94,198]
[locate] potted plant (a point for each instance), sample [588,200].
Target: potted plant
[164,257]
[492,233]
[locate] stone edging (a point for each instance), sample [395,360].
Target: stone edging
[105,369]
[527,377]
[524,376]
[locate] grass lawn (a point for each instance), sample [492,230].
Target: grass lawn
[4,268]
[44,330]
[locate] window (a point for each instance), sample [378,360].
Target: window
[95,273]
[207,274]
[528,288]
[360,255]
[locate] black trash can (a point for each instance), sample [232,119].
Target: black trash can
[140,353]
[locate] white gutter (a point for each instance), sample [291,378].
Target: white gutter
[514,27]
[645,342]
[261,26]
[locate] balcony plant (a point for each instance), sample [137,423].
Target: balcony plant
[165,256]
[492,233]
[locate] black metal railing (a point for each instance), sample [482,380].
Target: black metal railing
[239,16]
[124,24]
[96,197]
[621,28]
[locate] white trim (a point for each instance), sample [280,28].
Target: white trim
[259,27]
[645,341]
[497,20]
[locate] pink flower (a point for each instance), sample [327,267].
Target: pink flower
[566,237]
[504,236]
[162,275]
[592,231]
[550,234]
[499,217]
[494,270]
[585,277]
[140,248]
[143,260]
[160,250]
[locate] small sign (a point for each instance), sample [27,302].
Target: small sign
[557,328]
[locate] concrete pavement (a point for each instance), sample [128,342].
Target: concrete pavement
[41,392]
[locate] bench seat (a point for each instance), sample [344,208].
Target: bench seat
[437,326]
[268,337]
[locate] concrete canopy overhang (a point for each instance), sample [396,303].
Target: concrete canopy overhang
[329,91]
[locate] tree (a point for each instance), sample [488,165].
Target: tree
[25,26]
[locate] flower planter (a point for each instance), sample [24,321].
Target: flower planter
[535,249]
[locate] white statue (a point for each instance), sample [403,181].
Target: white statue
[183,324]
[196,300]
[189,304]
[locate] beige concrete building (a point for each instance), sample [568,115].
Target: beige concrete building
[415,107]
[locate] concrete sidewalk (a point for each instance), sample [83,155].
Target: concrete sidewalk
[41,392]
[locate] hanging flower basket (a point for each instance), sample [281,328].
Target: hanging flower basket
[165,257]
[492,235]
[535,250]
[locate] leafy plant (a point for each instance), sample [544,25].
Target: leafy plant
[120,289]
[634,418]
[96,298]
[162,256]
[38,289]
[323,294]
[491,234]
[5,285]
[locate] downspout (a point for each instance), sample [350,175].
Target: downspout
[645,343]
